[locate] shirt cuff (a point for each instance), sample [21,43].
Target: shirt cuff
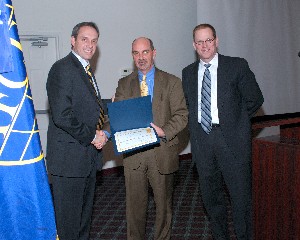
[107,134]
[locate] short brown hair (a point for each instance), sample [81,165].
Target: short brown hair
[202,26]
[76,29]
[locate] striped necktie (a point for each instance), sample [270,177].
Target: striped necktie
[206,100]
[144,87]
[102,115]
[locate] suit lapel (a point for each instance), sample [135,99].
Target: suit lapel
[83,74]
[194,85]
[221,79]
[84,77]
[97,89]
[157,91]
[135,86]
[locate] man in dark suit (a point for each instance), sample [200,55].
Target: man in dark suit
[155,165]
[73,144]
[221,138]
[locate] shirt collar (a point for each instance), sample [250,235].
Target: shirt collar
[213,62]
[149,74]
[81,60]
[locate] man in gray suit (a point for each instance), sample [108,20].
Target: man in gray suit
[155,165]
[221,138]
[73,144]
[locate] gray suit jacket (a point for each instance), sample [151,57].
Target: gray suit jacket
[169,112]
[73,118]
[238,97]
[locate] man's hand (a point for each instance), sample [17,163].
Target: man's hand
[158,130]
[113,98]
[100,140]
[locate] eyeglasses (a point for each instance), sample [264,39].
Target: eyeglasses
[207,41]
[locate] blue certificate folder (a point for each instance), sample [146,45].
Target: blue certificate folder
[131,114]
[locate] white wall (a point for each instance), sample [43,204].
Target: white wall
[168,23]
[267,34]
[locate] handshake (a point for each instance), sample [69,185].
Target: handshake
[100,139]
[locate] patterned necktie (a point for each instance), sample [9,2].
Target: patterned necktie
[205,100]
[144,87]
[101,117]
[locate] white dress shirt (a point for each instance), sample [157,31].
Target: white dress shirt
[84,64]
[213,73]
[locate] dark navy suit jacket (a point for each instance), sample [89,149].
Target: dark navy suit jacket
[238,99]
[74,113]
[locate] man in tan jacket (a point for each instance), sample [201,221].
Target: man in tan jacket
[156,164]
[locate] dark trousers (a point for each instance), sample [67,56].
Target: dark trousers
[218,165]
[73,204]
[137,183]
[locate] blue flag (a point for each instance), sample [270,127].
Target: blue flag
[26,207]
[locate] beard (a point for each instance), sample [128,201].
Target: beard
[142,64]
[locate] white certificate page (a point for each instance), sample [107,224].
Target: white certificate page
[129,139]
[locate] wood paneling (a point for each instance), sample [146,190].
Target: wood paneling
[276,183]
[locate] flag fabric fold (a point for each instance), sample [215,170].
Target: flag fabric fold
[26,207]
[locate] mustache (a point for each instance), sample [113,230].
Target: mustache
[142,61]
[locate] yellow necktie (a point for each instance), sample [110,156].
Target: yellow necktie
[101,116]
[144,87]
[89,73]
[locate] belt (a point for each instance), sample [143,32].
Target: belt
[214,125]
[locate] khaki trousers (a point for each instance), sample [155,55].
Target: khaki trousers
[137,183]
